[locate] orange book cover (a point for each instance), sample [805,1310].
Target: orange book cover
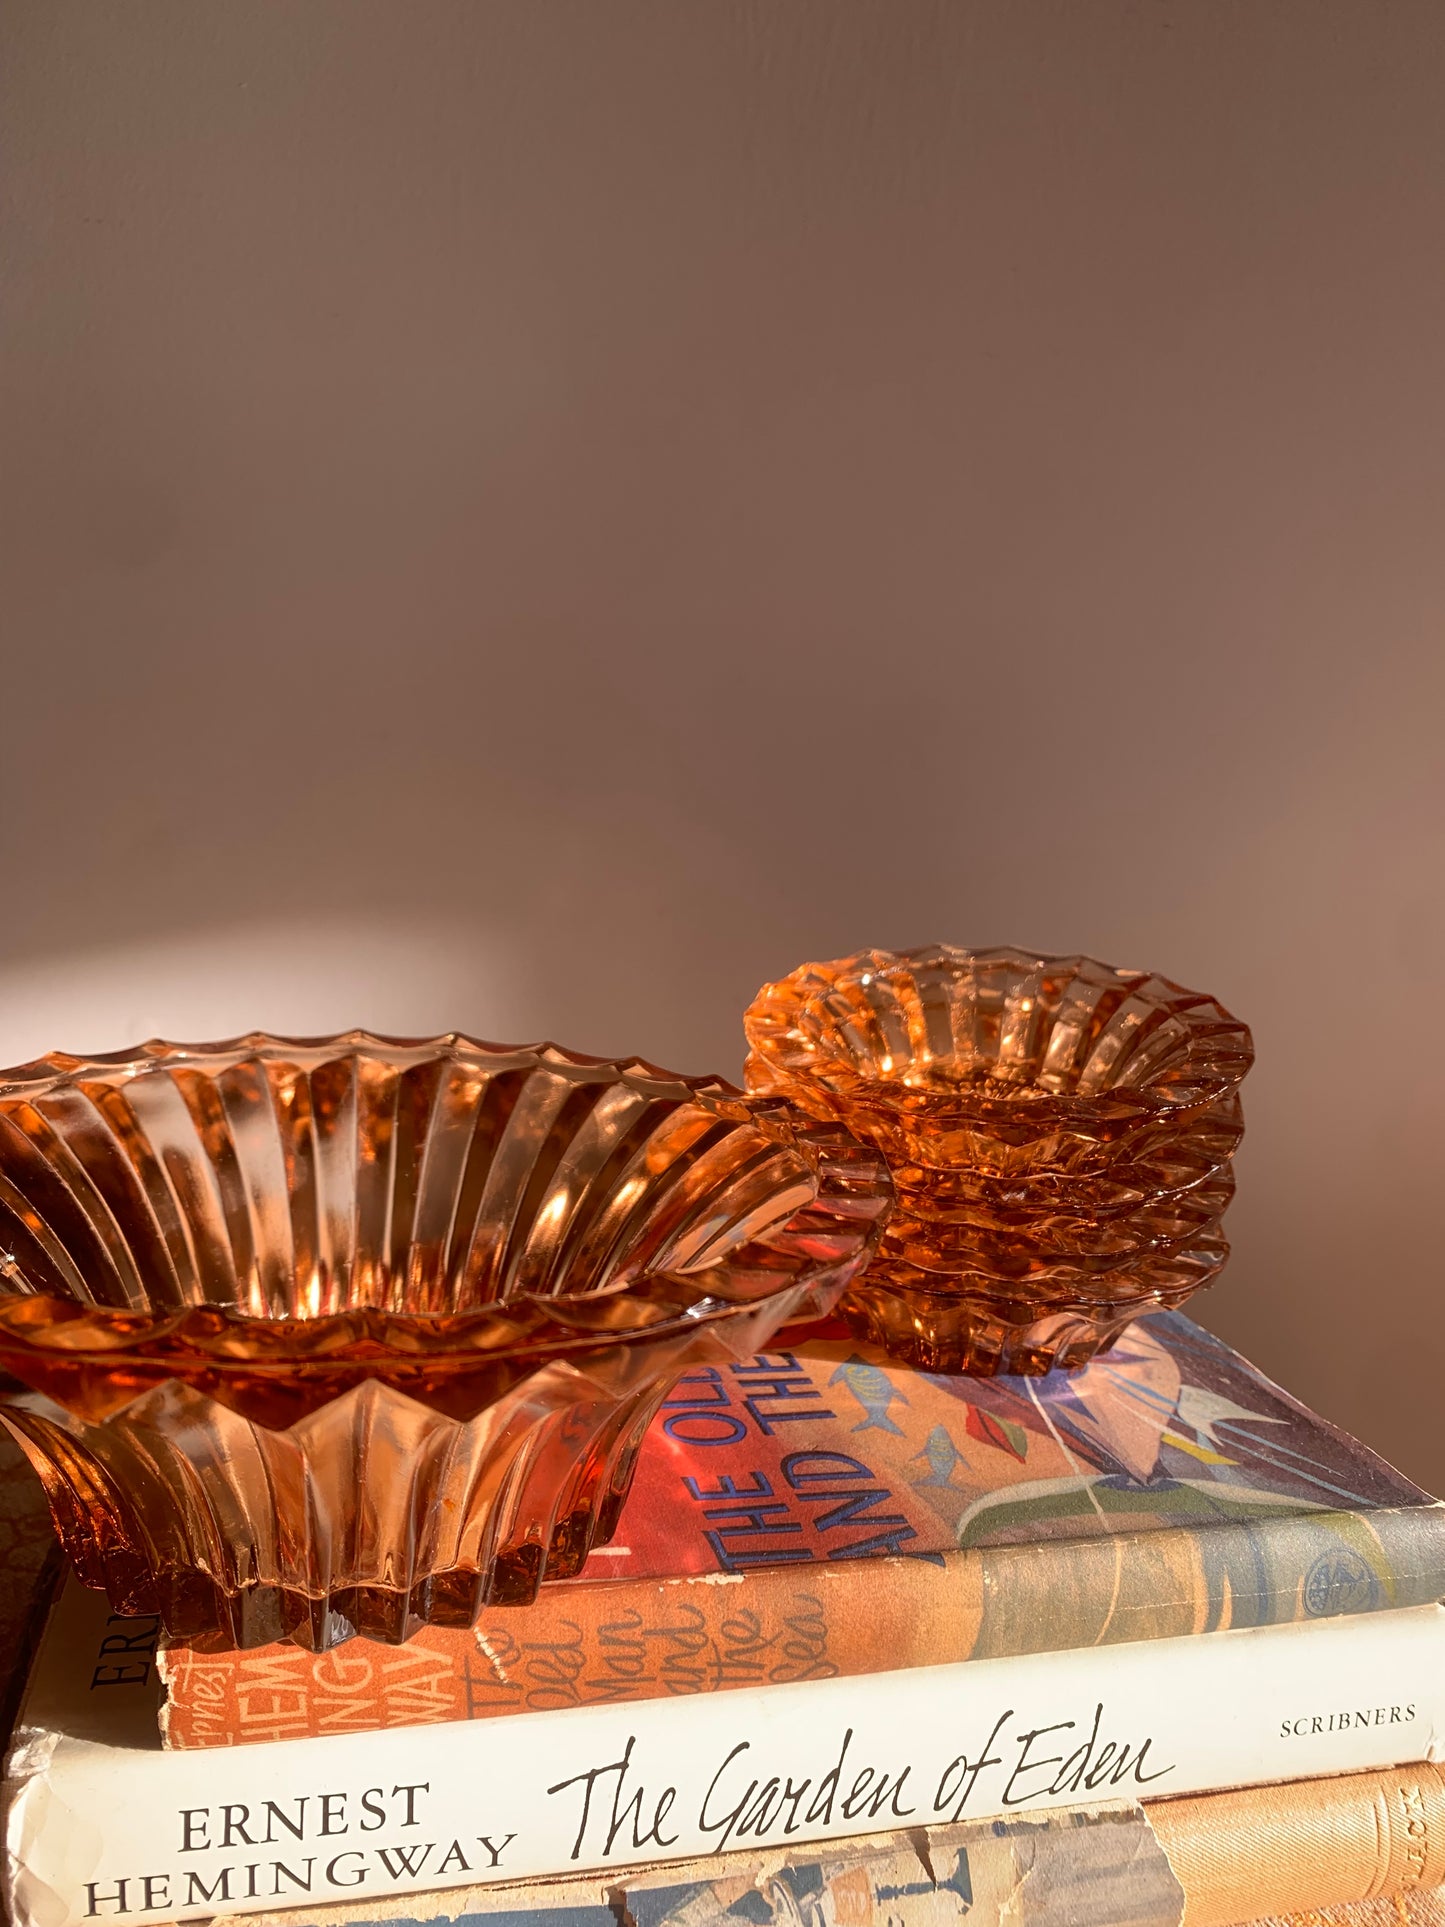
[821,1511]
[1280,1850]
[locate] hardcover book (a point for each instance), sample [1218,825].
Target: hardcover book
[822,1512]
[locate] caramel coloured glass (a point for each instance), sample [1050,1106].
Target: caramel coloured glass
[1060,1134]
[351,1335]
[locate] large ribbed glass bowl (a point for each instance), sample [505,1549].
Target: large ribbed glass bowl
[352,1335]
[1060,1134]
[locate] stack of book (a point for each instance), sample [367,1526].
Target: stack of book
[1149,1643]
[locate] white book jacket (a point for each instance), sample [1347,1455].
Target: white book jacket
[101,1824]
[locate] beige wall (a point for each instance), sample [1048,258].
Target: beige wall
[537,517]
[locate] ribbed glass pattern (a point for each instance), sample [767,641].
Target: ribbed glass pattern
[1060,1135]
[347,1335]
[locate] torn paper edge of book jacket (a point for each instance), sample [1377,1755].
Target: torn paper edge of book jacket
[1091,1864]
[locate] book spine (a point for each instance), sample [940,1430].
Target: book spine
[625,1640]
[104,1832]
[1313,1843]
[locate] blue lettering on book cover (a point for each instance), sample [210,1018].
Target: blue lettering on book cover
[832,1505]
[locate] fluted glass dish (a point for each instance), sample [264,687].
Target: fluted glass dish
[351,1335]
[1060,1134]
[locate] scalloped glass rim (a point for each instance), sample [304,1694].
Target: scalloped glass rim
[798,1032]
[319,1354]
[1189,1268]
[1182,1163]
[1158,1230]
[985,1333]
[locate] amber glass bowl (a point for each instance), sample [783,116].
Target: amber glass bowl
[352,1335]
[1060,1134]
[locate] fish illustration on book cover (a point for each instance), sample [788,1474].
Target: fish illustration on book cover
[830,1452]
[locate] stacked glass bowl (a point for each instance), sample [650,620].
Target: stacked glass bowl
[1060,1135]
